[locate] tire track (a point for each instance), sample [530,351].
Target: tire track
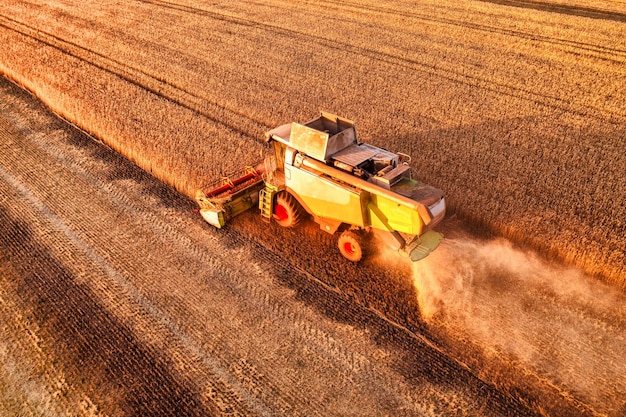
[153,84]
[70,243]
[231,119]
[82,328]
[606,53]
[449,74]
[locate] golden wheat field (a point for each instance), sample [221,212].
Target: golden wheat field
[515,108]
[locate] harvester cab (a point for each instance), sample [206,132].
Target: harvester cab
[348,187]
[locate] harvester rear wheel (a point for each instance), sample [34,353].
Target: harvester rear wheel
[350,246]
[287,211]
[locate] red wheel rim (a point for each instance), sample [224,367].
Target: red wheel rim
[348,248]
[281,212]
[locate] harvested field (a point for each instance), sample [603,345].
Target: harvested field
[515,108]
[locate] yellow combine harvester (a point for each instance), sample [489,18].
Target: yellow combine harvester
[347,186]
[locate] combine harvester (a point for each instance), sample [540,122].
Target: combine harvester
[348,187]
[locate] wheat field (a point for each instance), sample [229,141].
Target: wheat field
[514,108]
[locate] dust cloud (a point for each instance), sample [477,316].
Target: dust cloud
[555,323]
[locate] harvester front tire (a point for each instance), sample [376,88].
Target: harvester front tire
[350,246]
[286,210]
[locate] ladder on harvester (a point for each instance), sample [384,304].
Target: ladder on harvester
[266,201]
[267,193]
